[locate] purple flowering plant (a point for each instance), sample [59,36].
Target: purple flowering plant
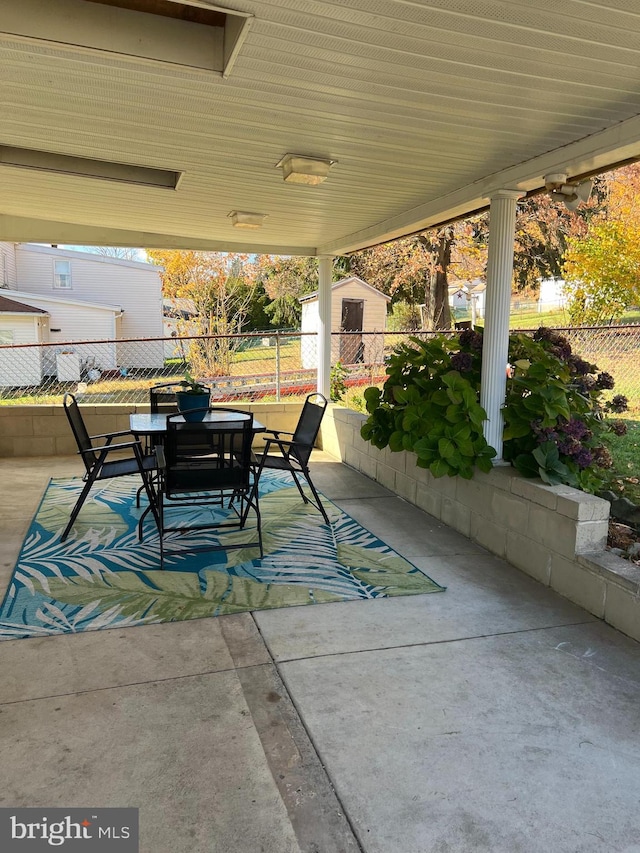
[554,410]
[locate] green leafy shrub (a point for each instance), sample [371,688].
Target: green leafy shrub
[338,382]
[554,412]
[427,406]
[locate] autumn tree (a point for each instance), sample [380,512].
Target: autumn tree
[544,227]
[602,266]
[220,287]
[416,269]
[285,279]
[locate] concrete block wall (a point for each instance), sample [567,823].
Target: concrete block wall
[45,431]
[556,534]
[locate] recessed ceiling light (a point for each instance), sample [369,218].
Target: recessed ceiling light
[242,219]
[300,169]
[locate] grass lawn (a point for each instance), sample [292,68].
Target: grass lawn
[625,449]
[531,319]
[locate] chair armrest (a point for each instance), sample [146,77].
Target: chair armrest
[287,441]
[276,432]
[111,434]
[284,444]
[109,447]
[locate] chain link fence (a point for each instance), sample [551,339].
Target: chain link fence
[615,350]
[264,366]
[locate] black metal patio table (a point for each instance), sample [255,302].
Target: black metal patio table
[153,425]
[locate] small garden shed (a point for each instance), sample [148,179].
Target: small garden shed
[356,307]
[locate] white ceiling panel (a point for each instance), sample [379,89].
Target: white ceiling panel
[426,107]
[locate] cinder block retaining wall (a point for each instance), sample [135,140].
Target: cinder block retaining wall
[44,430]
[556,534]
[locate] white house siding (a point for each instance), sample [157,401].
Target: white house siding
[459,299]
[76,322]
[21,367]
[552,294]
[8,265]
[134,286]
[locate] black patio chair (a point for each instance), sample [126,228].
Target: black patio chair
[162,399]
[296,451]
[99,467]
[204,464]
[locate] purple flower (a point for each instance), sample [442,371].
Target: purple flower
[462,361]
[543,433]
[618,427]
[619,403]
[575,428]
[580,367]
[561,351]
[602,457]
[605,382]
[543,334]
[585,384]
[470,339]
[583,458]
[569,447]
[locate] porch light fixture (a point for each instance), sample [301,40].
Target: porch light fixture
[242,219]
[300,169]
[573,195]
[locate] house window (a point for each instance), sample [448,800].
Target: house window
[62,275]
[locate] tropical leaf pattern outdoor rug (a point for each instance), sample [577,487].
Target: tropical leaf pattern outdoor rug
[103,577]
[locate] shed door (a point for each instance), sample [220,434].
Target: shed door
[351,346]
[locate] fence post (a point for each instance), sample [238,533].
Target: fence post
[278,366]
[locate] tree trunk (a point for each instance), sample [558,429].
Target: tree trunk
[437,314]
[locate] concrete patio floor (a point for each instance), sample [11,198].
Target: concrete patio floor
[494,717]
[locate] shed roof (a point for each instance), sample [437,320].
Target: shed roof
[352,279]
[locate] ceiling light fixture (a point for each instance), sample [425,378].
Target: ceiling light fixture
[300,169]
[84,167]
[242,219]
[573,195]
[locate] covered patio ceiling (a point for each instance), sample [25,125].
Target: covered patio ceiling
[425,107]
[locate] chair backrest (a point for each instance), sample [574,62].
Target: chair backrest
[74,416]
[308,426]
[206,456]
[162,398]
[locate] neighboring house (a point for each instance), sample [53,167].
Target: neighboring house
[87,297]
[552,294]
[356,307]
[21,324]
[468,297]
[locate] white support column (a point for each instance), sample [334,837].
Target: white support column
[495,351]
[324,324]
